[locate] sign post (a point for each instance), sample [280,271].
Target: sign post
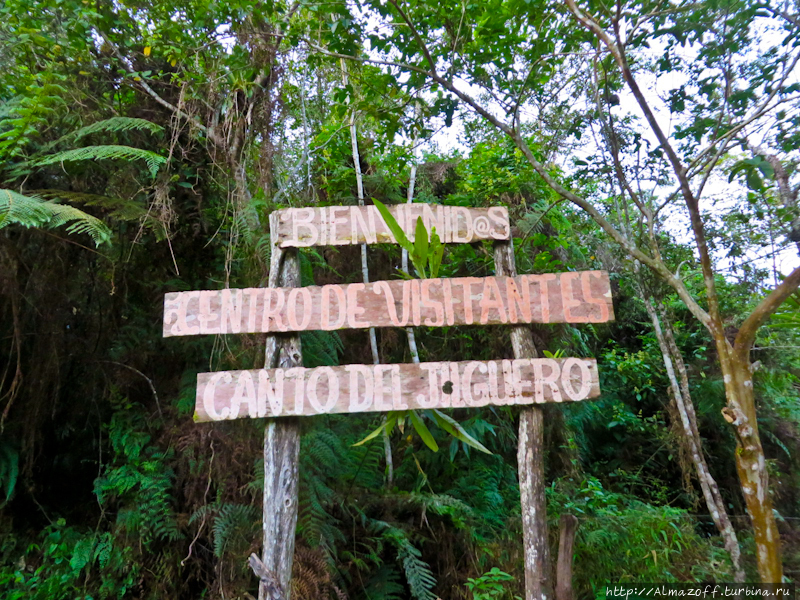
[530,454]
[284,390]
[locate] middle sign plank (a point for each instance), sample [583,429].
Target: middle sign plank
[577,297]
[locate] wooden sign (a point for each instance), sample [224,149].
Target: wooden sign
[348,225]
[299,391]
[578,297]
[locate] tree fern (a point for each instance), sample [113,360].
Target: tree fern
[117,209]
[23,117]
[232,525]
[107,152]
[32,211]
[384,585]
[112,125]
[418,573]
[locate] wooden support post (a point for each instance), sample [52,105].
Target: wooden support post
[530,456]
[281,446]
[566,540]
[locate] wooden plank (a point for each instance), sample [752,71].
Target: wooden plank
[227,395]
[578,297]
[349,225]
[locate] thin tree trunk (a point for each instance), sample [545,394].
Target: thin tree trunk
[530,457]
[373,341]
[566,540]
[683,400]
[412,181]
[281,450]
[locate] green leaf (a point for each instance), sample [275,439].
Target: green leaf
[9,470]
[419,256]
[394,226]
[455,429]
[385,425]
[766,169]
[423,431]
[435,254]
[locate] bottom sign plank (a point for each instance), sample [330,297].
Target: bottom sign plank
[228,395]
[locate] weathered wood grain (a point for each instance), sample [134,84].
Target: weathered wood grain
[281,450]
[298,391]
[578,297]
[349,225]
[530,457]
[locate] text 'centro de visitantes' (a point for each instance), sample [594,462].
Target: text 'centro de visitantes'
[578,297]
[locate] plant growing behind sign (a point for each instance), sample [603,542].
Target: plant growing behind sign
[426,255]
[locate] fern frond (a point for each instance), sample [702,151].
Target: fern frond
[118,209]
[9,471]
[32,211]
[233,522]
[26,115]
[112,125]
[108,152]
[418,573]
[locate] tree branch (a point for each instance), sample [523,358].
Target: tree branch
[715,322]
[417,36]
[655,264]
[747,332]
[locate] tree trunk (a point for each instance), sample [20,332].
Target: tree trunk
[281,449]
[530,457]
[688,418]
[566,539]
[751,465]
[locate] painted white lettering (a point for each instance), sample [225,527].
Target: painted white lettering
[584,378]
[207,314]
[491,299]
[293,308]
[334,221]
[312,391]
[328,294]
[539,379]
[568,299]
[179,308]
[383,401]
[272,319]
[517,300]
[354,311]
[210,391]
[245,393]
[601,303]
[474,395]
[432,398]
[232,304]
[270,395]
[427,302]
[297,374]
[498,215]
[362,228]
[304,218]
[361,396]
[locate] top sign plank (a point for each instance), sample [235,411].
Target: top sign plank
[349,225]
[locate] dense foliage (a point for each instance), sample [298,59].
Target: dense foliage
[143,146]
